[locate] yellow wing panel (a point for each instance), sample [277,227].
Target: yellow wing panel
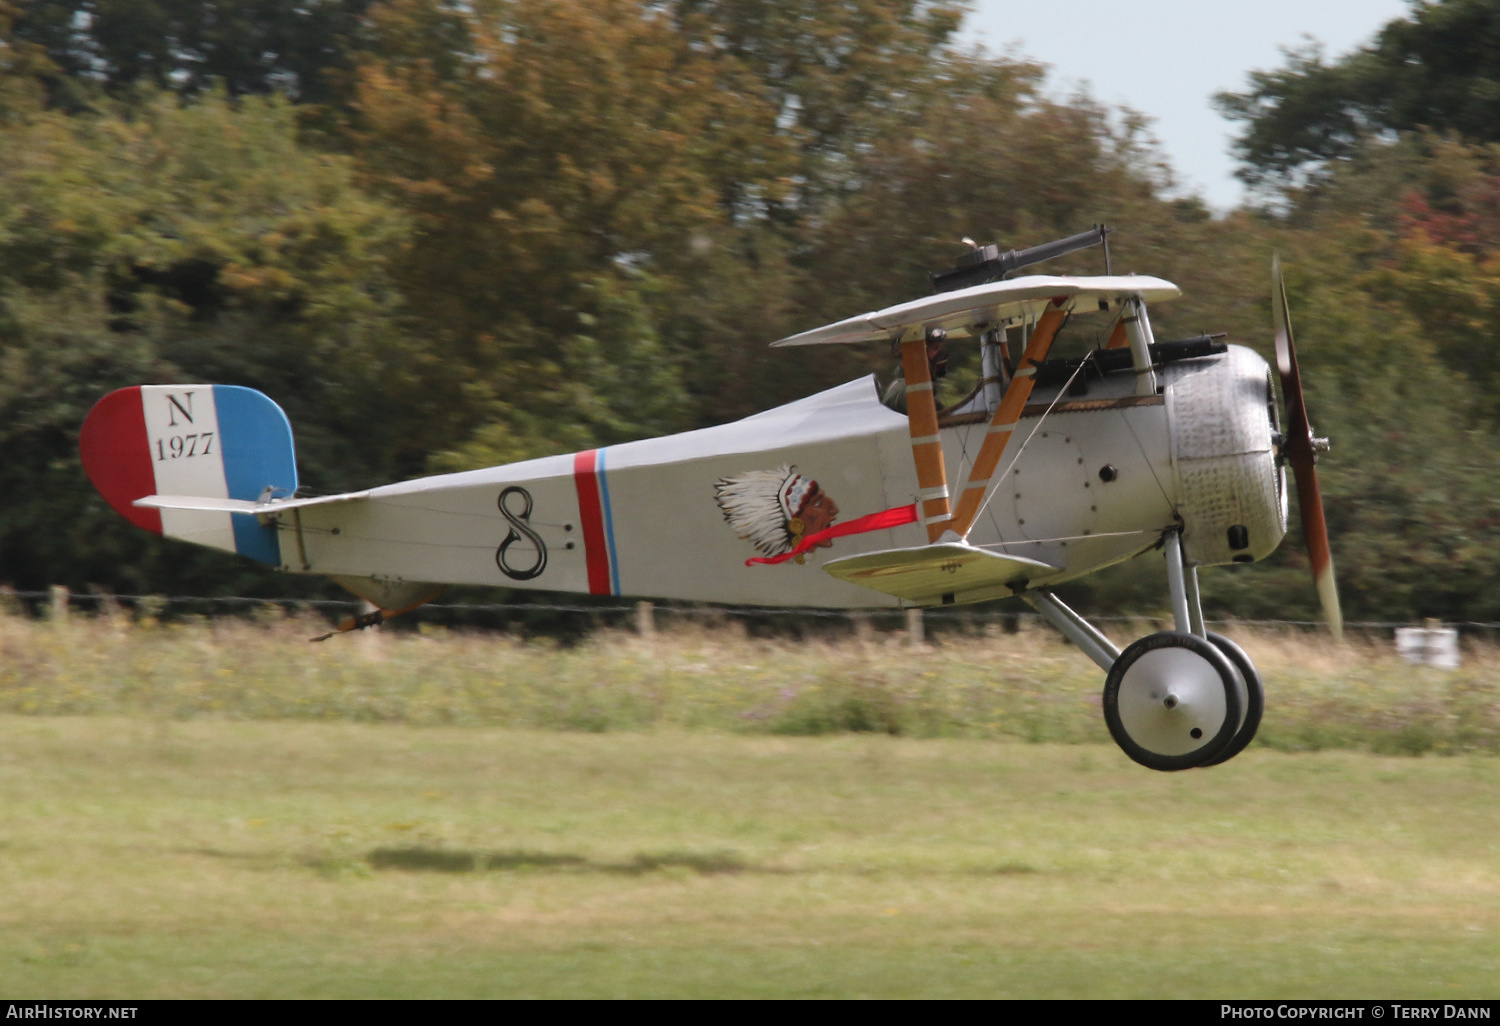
[925,574]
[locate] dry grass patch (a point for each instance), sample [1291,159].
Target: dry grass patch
[1027,685]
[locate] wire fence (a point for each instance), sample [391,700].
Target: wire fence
[46,603]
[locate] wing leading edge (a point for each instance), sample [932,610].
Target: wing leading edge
[996,303]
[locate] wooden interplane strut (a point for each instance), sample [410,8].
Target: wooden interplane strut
[1118,339]
[926,448]
[1007,415]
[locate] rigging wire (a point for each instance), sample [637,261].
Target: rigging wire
[1149,465]
[1068,538]
[995,486]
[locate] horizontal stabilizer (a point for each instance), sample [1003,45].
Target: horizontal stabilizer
[241,505]
[928,572]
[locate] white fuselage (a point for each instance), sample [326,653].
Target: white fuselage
[1092,482]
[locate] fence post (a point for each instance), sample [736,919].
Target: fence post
[108,606]
[915,635]
[645,619]
[58,611]
[864,631]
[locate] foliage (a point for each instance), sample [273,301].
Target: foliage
[243,46]
[1393,288]
[1434,69]
[470,233]
[567,171]
[833,75]
[174,243]
[753,166]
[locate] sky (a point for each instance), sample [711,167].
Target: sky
[1167,58]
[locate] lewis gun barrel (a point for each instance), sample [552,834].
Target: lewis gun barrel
[987,263]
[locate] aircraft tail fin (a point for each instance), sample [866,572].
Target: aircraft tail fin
[219,442]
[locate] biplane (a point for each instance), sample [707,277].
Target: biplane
[1049,470]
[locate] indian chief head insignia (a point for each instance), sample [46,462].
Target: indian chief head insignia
[775,509]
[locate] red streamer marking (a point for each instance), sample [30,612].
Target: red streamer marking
[894,517]
[591,513]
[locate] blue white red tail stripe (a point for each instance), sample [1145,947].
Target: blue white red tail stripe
[204,441]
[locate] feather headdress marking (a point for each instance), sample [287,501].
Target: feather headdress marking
[760,505]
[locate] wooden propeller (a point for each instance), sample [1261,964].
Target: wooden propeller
[1302,450]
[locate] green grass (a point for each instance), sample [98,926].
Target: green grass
[223,810]
[148,857]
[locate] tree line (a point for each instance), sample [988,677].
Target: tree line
[451,234]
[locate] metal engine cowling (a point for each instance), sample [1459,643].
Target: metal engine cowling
[1221,412]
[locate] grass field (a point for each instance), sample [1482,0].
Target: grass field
[165,846]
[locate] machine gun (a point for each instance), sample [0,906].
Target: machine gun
[987,263]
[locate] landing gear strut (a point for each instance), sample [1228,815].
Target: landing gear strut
[1175,699]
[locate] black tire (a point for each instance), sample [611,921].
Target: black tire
[1171,701]
[1255,699]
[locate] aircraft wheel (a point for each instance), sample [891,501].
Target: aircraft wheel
[1252,698]
[1172,701]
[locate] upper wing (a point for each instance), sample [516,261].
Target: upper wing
[993,304]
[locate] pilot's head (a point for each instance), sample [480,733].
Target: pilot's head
[937,352]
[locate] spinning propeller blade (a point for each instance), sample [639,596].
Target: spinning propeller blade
[1302,450]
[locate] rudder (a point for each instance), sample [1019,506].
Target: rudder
[206,441]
